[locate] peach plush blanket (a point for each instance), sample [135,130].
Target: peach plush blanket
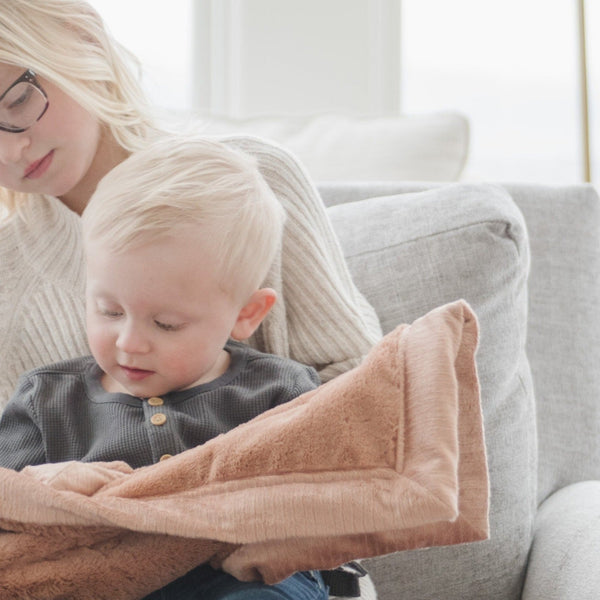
[386,457]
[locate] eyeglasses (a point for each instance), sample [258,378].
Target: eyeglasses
[22,104]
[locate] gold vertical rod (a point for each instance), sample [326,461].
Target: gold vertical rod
[585,125]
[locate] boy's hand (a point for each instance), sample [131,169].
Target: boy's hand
[78,477]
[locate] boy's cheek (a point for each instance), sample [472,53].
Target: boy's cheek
[98,337]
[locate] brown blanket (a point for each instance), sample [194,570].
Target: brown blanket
[386,457]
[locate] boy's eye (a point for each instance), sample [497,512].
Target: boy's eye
[167,326]
[113,314]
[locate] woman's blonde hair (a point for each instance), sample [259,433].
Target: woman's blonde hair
[66,42]
[186,182]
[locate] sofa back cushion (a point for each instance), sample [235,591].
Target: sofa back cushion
[563,328]
[334,147]
[408,254]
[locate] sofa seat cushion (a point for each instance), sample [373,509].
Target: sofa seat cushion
[409,253]
[565,557]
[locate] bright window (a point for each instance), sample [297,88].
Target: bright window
[159,33]
[512,68]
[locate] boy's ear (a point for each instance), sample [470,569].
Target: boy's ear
[253,313]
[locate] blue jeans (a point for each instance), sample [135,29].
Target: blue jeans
[206,583]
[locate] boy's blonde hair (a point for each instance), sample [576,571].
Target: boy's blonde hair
[66,42]
[189,181]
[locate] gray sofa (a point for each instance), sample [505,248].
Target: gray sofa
[527,259]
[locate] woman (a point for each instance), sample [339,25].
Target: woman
[88,114]
[70,110]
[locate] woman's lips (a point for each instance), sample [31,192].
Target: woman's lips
[39,167]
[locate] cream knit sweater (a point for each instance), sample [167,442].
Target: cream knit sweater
[320,318]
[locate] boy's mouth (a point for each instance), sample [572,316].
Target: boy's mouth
[135,374]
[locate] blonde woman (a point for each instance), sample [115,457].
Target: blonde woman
[70,111]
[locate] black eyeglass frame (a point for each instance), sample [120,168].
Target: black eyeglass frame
[30,77]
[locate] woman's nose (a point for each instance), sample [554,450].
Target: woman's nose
[12,146]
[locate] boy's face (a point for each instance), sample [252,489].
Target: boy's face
[157,319]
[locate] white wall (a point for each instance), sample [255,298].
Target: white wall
[284,56]
[159,33]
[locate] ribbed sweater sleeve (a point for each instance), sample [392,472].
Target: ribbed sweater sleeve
[321,318]
[41,290]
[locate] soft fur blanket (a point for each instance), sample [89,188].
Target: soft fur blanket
[386,457]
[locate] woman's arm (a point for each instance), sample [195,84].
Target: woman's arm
[320,319]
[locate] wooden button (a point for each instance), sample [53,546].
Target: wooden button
[165,457]
[158,419]
[155,401]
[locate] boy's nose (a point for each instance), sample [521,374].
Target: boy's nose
[132,341]
[12,146]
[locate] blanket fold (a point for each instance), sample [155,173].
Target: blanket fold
[386,457]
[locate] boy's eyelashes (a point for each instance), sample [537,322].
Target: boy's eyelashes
[110,313]
[114,314]
[167,326]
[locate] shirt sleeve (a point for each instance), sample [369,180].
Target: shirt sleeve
[308,380]
[298,380]
[320,318]
[21,441]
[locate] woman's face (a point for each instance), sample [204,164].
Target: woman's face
[55,155]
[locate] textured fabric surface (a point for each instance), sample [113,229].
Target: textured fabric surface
[565,557]
[42,284]
[425,147]
[392,457]
[564,329]
[41,292]
[411,252]
[61,412]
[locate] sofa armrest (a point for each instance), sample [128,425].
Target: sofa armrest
[563,329]
[565,556]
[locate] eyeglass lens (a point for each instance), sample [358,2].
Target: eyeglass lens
[21,106]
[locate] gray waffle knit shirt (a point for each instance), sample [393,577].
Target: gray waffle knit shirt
[61,412]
